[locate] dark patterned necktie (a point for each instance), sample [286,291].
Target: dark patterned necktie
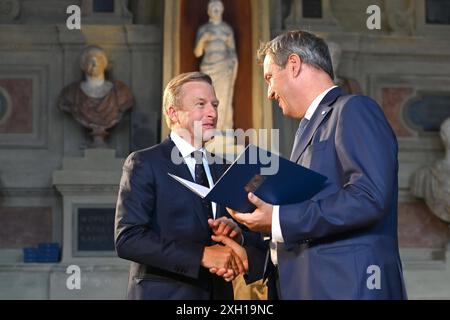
[298,135]
[201,178]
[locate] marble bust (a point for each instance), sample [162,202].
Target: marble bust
[215,44]
[432,183]
[96,103]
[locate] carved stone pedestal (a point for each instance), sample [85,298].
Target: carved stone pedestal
[89,188]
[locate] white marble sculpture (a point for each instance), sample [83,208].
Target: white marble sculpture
[215,42]
[432,183]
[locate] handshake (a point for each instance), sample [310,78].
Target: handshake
[227,258]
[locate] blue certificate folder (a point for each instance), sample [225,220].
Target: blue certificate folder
[272,178]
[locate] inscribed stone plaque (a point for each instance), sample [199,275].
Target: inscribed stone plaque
[94,230]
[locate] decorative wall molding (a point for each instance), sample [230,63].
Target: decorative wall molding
[37,137]
[5,106]
[407,88]
[28,192]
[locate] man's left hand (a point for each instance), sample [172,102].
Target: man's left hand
[224,226]
[258,220]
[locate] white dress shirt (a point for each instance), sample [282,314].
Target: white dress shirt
[186,150]
[277,235]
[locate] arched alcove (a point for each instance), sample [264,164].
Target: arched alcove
[250,22]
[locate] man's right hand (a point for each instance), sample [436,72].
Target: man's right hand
[226,261]
[221,257]
[238,252]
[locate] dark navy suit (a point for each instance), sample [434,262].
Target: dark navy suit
[342,244]
[160,226]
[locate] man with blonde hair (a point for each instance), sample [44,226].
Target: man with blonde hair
[164,228]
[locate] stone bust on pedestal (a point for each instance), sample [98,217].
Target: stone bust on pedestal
[97,103]
[432,183]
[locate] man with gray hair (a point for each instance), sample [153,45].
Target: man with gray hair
[342,243]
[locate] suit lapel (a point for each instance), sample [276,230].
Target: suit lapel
[319,115]
[314,123]
[182,171]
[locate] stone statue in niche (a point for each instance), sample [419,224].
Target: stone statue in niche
[97,103]
[432,183]
[349,85]
[215,42]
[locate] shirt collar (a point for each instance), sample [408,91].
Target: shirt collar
[312,108]
[185,147]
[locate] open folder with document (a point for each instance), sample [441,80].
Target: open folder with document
[270,177]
